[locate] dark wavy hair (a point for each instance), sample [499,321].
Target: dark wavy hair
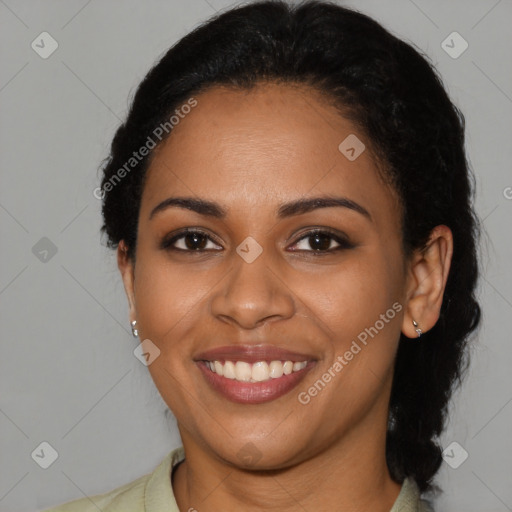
[396,97]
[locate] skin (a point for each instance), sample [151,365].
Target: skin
[251,151]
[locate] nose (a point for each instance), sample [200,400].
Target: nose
[252,294]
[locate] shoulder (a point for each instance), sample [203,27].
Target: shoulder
[133,496]
[129,497]
[409,499]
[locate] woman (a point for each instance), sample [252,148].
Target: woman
[291,207]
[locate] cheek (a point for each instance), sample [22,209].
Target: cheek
[354,295]
[167,297]
[168,303]
[360,304]
[343,300]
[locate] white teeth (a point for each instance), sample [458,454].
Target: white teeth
[287,367]
[229,370]
[260,371]
[276,369]
[218,368]
[257,372]
[242,371]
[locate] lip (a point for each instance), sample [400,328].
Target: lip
[252,392]
[251,354]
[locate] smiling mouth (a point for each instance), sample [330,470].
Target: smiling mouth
[253,383]
[253,374]
[260,371]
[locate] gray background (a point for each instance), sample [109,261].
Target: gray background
[68,373]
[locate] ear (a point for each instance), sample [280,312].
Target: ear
[125,265]
[428,273]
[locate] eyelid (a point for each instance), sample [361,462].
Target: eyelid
[169,240]
[340,238]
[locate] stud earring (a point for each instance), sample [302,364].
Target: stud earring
[135,331]
[419,332]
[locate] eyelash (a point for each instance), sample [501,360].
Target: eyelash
[167,243]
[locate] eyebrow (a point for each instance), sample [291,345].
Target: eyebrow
[298,207]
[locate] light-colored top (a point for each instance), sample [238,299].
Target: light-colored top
[153,493]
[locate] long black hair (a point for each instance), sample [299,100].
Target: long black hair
[397,99]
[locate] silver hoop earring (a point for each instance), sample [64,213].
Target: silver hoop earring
[419,332]
[135,331]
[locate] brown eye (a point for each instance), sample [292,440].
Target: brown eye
[321,242]
[189,240]
[195,241]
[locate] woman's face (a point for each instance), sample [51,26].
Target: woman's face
[257,285]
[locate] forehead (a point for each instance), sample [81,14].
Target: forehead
[270,144]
